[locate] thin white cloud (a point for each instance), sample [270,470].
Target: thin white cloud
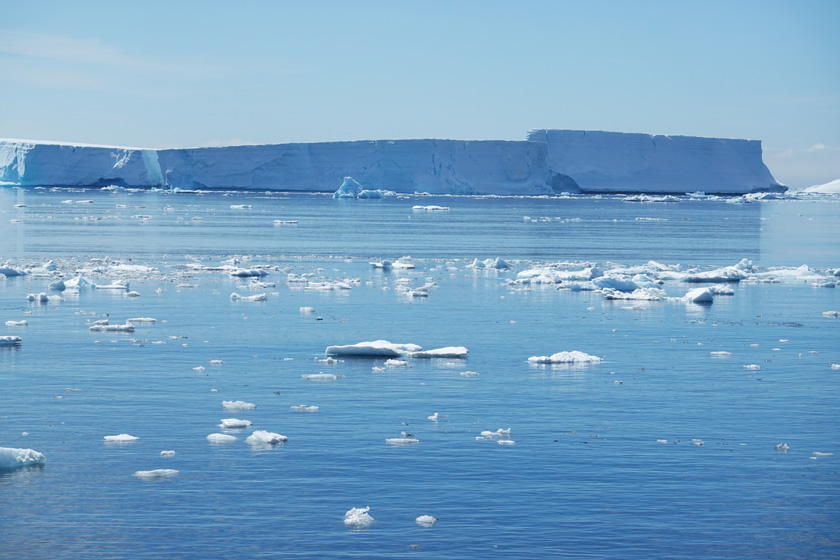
[63,60]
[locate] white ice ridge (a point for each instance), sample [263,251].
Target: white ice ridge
[358,518]
[549,161]
[13,458]
[385,349]
[573,357]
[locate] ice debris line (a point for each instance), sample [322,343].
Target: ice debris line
[548,161]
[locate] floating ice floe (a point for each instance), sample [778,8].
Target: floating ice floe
[752,366]
[124,285]
[434,417]
[496,264]
[44,298]
[105,326]
[238,405]
[358,518]
[831,313]
[501,432]
[9,271]
[221,438]
[821,455]
[383,265]
[247,272]
[256,297]
[121,438]
[263,437]
[10,341]
[469,374]
[783,447]
[216,362]
[401,441]
[426,520]
[430,208]
[573,357]
[699,295]
[22,323]
[720,353]
[376,348]
[239,206]
[307,310]
[319,376]
[447,352]
[285,222]
[14,458]
[235,423]
[168,453]
[395,363]
[351,189]
[405,263]
[141,320]
[304,408]
[157,473]
[639,294]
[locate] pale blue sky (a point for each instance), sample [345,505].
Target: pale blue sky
[196,73]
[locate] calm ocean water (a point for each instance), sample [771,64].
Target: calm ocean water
[586,477]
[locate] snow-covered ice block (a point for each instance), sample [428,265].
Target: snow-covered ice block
[221,438]
[426,520]
[157,473]
[107,327]
[263,437]
[13,458]
[256,297]
[10,340]
[376,348]
[121,438]
[235,423]
[401,441]
[573,357]
[238,405]
[699,295]
[167,453]
[358,518]
[22,323]
[319,376]
[447,352]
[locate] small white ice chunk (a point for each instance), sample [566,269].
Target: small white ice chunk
[426,521]
[447,352]
[157,473]
[234,423]
[319,376]
[358,518]
[401,441]
[257,297]
[121,438]
[221,438]
[167,453]
[10,340]
[238,405]
[263,437]
[573,357]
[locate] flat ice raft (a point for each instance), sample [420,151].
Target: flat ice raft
[385,349]
[13,458]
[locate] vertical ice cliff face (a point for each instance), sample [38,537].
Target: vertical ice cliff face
[434,166]
[29,163]
[622,162]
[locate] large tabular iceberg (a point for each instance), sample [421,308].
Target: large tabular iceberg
[624,162]
[549,161]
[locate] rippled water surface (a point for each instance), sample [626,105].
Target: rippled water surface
[586,476]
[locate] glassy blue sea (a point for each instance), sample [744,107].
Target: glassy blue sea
[660,450]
